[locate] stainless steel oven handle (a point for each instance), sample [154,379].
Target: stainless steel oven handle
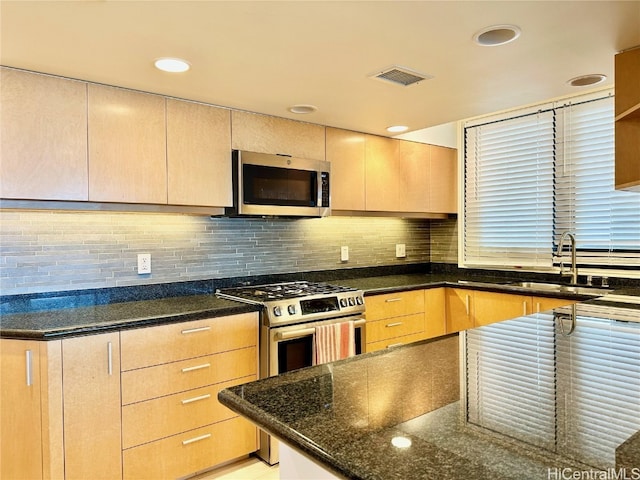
[303,332]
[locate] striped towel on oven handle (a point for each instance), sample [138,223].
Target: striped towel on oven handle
[334,342]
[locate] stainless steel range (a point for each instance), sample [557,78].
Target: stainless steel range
[290,314]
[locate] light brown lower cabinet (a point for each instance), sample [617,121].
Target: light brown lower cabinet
[172,422]
[474,308]
[91,407]
[394,319]
[20,410]
[191,451]
[70,410]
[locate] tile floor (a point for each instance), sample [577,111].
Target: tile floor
[251,468]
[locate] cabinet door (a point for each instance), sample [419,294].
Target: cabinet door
[382,184]
[345,151]
[91,390]
[20,415]
[414,174]
[492,307]
[443,181]
[198,154]
[266,134]
[435,312]
[541,304]
[44,137]
[127,146]
[459,306]
[627,125]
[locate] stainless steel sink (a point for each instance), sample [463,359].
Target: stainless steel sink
[558,287]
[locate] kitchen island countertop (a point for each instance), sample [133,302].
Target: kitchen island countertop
[348,416]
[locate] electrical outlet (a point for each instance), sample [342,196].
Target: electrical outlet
[344,254]
[144,263]
[401,250]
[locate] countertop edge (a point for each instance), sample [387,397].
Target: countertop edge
[125,324]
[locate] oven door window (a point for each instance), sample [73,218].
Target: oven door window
[298,352]
[294,354]
[279,186]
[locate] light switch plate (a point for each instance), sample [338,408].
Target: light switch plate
[401,250]
[344,254]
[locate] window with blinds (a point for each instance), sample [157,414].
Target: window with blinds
[530,177]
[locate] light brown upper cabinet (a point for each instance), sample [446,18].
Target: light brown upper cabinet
[382,178]
[443,180]
[413,178]
[127,146]
[345,151]
[44,137]
[198,154]
[266,134]
[627,125]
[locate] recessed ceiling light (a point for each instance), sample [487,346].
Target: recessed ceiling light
[587,80]
[173,65]
[397,128]
[496,35]
[303,109]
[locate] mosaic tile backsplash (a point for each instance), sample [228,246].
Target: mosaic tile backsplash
[57,251]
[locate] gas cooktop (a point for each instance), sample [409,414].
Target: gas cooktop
[293,302]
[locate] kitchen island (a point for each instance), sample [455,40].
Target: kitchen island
[540,397]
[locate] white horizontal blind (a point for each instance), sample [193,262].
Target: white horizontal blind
[606,222]
[531,177]
[598,389]
[508,203]
[511,379]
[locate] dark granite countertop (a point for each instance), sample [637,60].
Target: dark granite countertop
[345,415]
[57,323]
[83,312]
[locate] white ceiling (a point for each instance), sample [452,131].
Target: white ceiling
[264,56]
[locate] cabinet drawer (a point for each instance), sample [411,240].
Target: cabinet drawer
[394,304]
[161,417]
[394,342]
[179,341]
[190,452]
[165,379]
[394,327]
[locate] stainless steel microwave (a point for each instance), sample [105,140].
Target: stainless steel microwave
[279,185]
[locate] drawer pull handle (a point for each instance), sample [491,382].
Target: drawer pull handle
[195,330]
[196,439]
[109,358]
[396,324]
[389,300]
[196,367]
[196,399]
[29,367]
[395,345]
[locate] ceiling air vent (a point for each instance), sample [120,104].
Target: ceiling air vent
[400,76]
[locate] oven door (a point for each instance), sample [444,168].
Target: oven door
[291,347]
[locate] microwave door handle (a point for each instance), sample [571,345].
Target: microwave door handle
[318,189]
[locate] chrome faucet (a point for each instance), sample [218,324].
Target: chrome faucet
[574,268]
